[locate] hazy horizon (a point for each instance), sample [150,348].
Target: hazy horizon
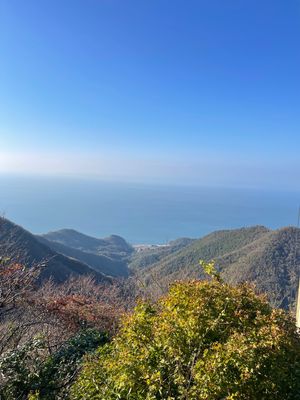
[204,93]
[141,213]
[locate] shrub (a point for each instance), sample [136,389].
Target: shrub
[29,373]
[204,340]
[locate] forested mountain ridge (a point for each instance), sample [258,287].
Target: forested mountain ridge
[113,246]
[271,262]
[20,246]
[100,263]
[144,257]
[269,259]
[185,261]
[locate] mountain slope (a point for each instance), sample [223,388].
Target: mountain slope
[99,263]
[20,246]
[272,263]
[269,259]
[114,247]
[184,263]
[145,256]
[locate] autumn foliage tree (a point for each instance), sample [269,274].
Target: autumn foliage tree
[16,284]
[45,329]
[204,340]
[82,303]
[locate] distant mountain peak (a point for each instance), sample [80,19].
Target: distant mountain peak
[113,246]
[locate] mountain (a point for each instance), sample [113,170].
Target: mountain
[185,261]
[144,256]
[20,246]
[271,262]
[269,259]
[100,263]
[114,247]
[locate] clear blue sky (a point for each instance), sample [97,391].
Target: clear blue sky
[197,91]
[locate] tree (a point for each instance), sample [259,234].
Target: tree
[16,284]
[204,340]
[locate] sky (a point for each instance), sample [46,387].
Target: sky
[203,92]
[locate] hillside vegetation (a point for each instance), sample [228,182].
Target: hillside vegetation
[20,246]
[271,262]
[114,247]
[270,259]
[143,258]
[104,264]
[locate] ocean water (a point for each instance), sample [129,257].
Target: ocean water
[140,213]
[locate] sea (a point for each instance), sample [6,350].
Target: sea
[141,213]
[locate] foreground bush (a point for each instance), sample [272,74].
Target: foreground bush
[28,371]
[204,340]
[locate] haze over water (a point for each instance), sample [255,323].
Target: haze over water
[140,213]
